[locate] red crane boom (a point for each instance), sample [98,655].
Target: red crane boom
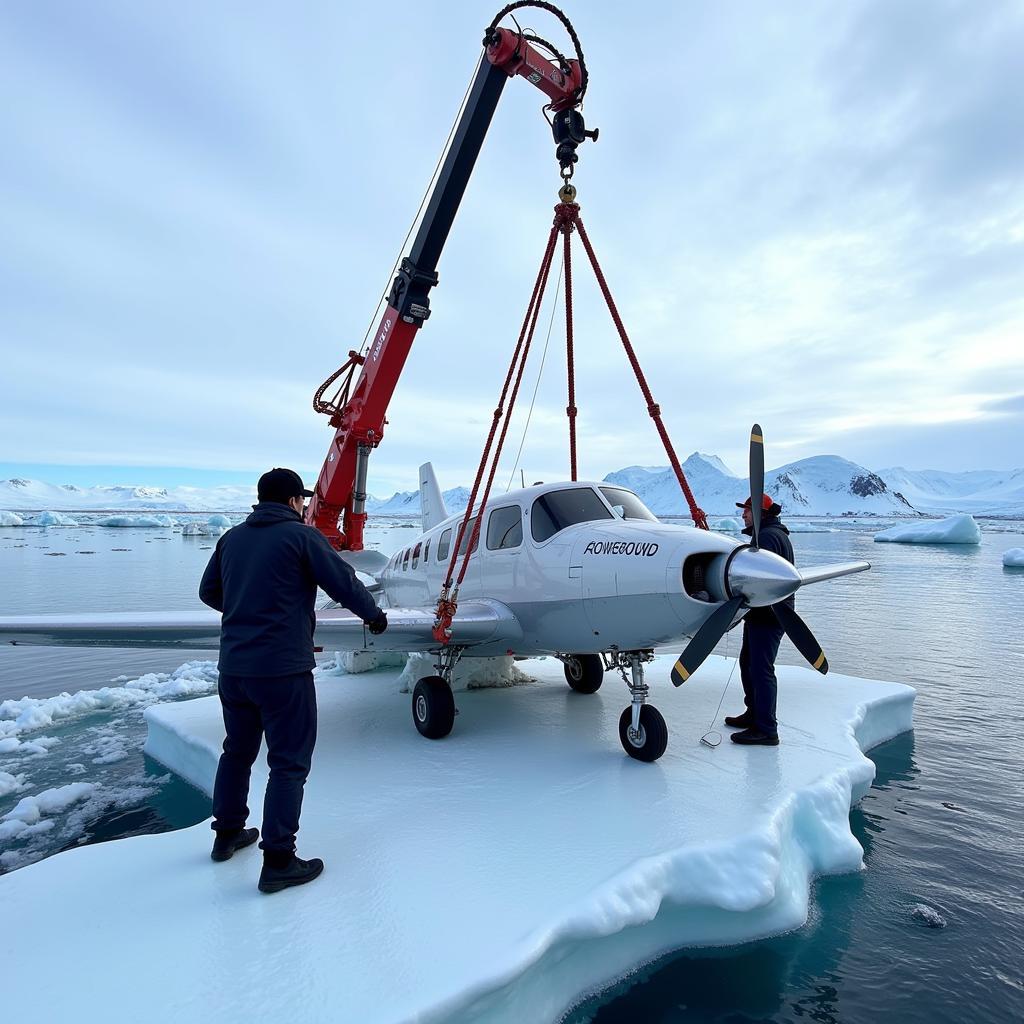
[338,507]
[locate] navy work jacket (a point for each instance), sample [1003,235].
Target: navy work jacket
[263,577]
[773,536]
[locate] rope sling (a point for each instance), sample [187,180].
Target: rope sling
[567,221]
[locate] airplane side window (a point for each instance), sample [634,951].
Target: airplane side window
[426,552]
[626,505]
[505,528]
[556,510]
[405,560]
[465,537]
[444,545]
[416,556]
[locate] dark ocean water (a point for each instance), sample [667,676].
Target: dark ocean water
[932,931]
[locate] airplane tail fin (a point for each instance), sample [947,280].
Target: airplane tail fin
[432,509]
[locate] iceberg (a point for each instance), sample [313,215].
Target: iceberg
[195,530]
[11,519]
[219,521]
[961,529]
[53,519]
[128,522]
[801,527]
[493,876]
[727,525]
[1014,558]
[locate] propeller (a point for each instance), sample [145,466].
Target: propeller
[756,462]
[719,621]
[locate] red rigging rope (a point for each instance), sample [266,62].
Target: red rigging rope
[566,219]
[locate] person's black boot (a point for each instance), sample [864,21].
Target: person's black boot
[755,738]
[226,842]
[283,871]
[744,721]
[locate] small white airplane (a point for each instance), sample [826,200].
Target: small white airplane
[580,571]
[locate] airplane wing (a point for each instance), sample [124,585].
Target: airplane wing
[409,629]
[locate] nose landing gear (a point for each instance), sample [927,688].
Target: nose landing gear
[642,729]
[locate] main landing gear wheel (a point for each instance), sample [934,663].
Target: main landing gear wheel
[648,743]
[433,707]
[584,672]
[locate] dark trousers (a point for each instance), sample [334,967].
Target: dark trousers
[283,707]
[757,670]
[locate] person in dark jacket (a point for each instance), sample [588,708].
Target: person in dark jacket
[263,576]
[762,635]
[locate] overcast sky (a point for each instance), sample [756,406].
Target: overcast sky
[811,215]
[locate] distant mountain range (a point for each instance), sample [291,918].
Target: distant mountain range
[825,485]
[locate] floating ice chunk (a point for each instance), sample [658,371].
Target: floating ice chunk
[961,529]
[54,519]
[11,783]
[927,915]
[727,525]
[219,520]
[194,530]
[51,801]
[127,522]
[11,519]
[32,713]
[1014,558]
[808,528]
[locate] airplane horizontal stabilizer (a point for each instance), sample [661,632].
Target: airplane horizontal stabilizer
[373,563]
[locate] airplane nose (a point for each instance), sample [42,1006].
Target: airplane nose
[762,577]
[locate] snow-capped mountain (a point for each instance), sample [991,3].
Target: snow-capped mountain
[825,485]
[18,493]
[819,486]
[980,492]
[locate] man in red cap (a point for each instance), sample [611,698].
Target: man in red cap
[263,576]
[762,635]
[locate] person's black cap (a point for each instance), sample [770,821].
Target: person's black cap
[281,485]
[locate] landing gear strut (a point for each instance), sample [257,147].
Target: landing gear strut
[433,703]
[642,729]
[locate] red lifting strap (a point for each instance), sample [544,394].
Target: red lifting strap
[566,219]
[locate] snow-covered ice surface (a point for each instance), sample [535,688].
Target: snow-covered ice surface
[1014,558]
[493,876]
[960,529]
[10,519]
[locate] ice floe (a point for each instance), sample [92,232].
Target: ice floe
[11,519]
[128,522]
[219,522]
[11,783]
[30,714]
[53,519]
[795,526]
[1014,558]
[492,876]
[727,525]
[961,529]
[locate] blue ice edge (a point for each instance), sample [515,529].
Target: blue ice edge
[653,909]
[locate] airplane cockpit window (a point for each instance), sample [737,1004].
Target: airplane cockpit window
[444,545]
[626,505]
[416,556]
[505,528]
[465,537]
[556,510]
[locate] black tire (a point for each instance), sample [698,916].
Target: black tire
[584,672]
[433,707]
[653,737]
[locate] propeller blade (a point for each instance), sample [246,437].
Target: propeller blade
[704,640]
[803,639]
[756,480]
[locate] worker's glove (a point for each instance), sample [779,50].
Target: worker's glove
[378,625]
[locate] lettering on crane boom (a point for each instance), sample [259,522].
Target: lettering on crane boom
[385,329]
[622,547]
